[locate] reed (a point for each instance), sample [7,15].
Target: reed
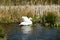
[13,15]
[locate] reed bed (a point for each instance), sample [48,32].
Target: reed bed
[13,14]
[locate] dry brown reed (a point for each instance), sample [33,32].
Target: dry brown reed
[14,15]
[9,14]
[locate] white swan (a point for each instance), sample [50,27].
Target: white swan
[26,21]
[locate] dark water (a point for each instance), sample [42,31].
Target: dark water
[38,33]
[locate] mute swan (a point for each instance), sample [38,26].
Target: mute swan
[26,21]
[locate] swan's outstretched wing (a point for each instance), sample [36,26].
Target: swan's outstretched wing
[25,19]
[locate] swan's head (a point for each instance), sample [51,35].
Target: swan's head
[30,18]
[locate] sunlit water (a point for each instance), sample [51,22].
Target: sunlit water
[37,33]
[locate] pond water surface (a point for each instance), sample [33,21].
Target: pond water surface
[38,32]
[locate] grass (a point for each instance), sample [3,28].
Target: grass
[49,19]
[2,33]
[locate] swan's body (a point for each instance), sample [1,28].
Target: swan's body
[26,21]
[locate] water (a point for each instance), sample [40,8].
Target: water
[37,33]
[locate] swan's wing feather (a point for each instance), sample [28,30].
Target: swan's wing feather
[22,23]
[25,19]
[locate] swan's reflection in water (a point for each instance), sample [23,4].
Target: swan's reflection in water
[19,33]
[26,31]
